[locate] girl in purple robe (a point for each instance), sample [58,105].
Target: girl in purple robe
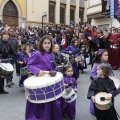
[39,62]
[101,58]
[70,82]
[23,59]
[72,50]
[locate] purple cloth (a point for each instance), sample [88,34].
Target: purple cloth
[69,108]
[39,62]
[92,107]
[23,58]
[74,50]
[71,81]
[93,73]
[46,111]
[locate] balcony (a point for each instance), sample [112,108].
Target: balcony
[73,2]
[94,9]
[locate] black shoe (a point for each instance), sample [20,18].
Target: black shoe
[4,92]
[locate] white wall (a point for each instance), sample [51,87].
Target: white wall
[103,21]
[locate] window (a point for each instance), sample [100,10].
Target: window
[10,9]
[62,15]
[72,15]
[51,13]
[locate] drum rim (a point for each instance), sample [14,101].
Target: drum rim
[102,93]
[105,104]
[9,64]
[41,86]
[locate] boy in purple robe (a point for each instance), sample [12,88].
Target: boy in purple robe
[39,62]
[70,82]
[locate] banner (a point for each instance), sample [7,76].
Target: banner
[117,9]
[106,7]
[111,8]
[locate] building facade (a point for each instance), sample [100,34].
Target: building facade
[24,13]
[55,12]
[95,17]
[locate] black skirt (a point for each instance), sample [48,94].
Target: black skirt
[109,114]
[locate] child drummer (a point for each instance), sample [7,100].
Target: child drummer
[103,84]
[40,62]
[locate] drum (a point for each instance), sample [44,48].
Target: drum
[69,95]
[102,104]
[116,81]
[44,89]
[6,70]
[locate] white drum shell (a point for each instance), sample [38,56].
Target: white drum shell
[35,82]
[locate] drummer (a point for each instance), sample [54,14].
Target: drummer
[103,84]
[59,58]
[73,50]
[39,62]
[5,51]
[23,59]
[70,82]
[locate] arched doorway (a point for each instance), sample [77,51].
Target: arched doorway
[10,14]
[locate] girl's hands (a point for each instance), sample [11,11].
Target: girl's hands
[93,98]
[41,73]
[108,97]
[65,85]
[75,89]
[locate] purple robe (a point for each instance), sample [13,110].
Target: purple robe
[93,74]
[74,50]
[23,58]
[69,108]
[45,111]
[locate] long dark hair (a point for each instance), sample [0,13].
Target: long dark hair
[73,41]
[65,68]
[40,45]
[99,55]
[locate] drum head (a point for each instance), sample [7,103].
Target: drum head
[7,67]
[34,82]
[102,105]
[116,81]
[99,95]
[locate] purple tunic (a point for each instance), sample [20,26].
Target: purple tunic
[23,58]
[74,50]
[45,111]
[69,108]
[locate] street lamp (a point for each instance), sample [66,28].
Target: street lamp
[42,19]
